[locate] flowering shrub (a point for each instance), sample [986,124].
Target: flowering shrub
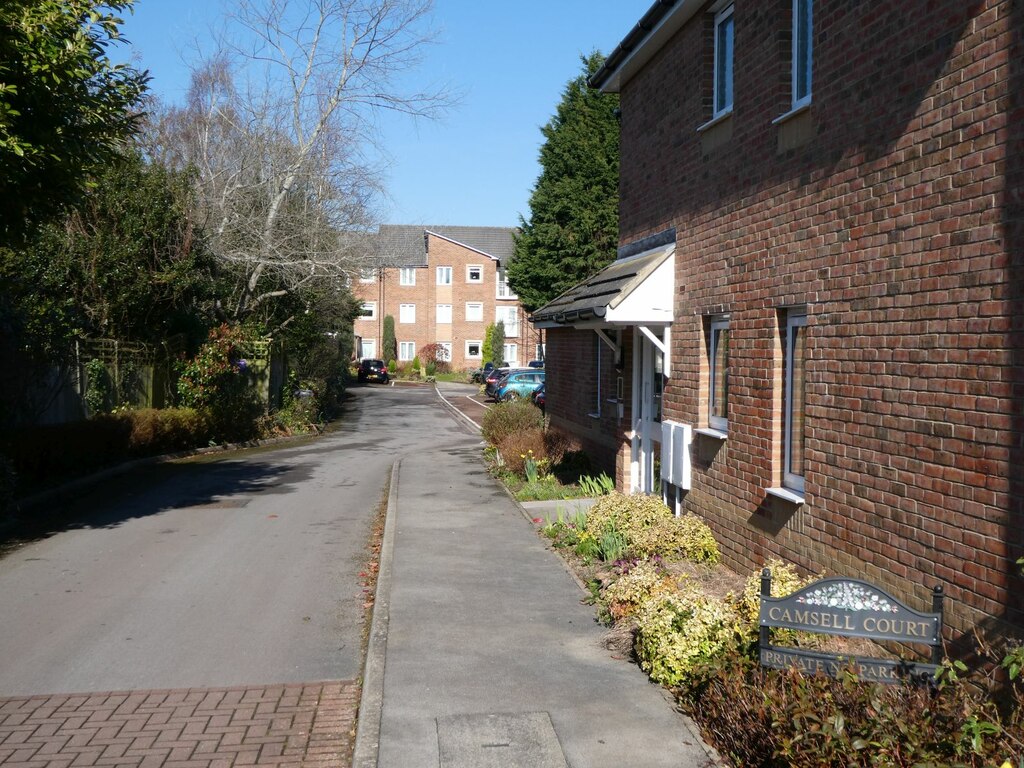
[680,633]
[635,587]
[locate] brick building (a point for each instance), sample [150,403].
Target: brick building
[835,189]
[442,285]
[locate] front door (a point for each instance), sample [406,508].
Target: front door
[648,381]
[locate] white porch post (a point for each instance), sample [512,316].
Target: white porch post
[634,465]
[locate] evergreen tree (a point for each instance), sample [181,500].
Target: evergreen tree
[498,344]
[487,351]
[389,343]
[573,228]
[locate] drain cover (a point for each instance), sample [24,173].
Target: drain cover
[524,740]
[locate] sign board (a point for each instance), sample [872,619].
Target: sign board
[851,608]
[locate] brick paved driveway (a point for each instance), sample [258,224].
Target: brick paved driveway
[285,725]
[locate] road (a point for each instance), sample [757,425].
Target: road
[233,573]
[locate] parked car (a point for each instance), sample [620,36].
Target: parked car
[495,376]
[480,374]
[538,397]
[373,370]
[535,364]
[519,384]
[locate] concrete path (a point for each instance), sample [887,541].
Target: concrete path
[490,657]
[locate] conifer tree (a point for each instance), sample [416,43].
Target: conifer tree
[573,227]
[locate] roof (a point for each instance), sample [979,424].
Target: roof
[662,20]
[405,245]
[596,298]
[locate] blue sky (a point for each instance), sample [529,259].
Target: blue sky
[509,60]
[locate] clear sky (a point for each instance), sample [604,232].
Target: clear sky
[510,60]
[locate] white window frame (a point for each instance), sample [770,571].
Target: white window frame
[715,328]
[510,354]
[477,313]
[443,317]
[479,349]
[367,349]
[511,329]
[504,290]
[469,273]
[803,51]
[444,275]
[406,313]
[369,311]
[795,319]
[407,276]
[368,275]
[406,351]
[446,347]
[721,107]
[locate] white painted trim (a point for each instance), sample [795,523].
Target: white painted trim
[785,494]
[713,433]
[652,338]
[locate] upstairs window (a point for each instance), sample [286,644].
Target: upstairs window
[407,313]
[407,276]
[510,317]
[504,289]
[444,313]
[724,37]
[474,311]
[368,275]
[369,310]
[803,29]
[444,275]
[474,273]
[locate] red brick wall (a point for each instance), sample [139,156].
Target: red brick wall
[885,209]
[426,295]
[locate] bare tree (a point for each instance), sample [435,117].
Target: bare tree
[277,123]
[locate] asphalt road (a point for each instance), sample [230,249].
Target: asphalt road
[228,571]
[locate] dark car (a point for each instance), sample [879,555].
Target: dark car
[480,374]
[373,370]
[535,364]
[539,397]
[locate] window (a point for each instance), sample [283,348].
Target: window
[718,380]
[444,351]
[510,354]
[407,313]
[474,350]
[504,291]
[474,273]
[369,310]
[444,275]
[724,37]
[368,348]
[510,317]
[407,276]
[474,311]
[794,402]
[368,275]
[444,313]
[803,30]
[406,350]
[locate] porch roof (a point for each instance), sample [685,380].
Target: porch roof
[632,290]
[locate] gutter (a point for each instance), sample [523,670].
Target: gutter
[636,36]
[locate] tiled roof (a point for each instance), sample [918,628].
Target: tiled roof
[404,245]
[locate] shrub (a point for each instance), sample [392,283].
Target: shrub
[504,419]
[516,447]
[680,634]
[785,581]
[650,528]
[636,586]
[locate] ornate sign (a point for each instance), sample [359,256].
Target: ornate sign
[852,608]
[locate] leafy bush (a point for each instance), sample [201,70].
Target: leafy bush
[650,528]
[504,419]
[681,633]
[216,380]
[757,716]
[636,586]
[785,581]
[516,447]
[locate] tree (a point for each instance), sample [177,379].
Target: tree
[498,344]
[573,227]
[65,108]
[389,344]
[276,126]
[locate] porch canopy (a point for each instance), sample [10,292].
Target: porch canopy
[634,290]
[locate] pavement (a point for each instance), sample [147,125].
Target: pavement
[482,652]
